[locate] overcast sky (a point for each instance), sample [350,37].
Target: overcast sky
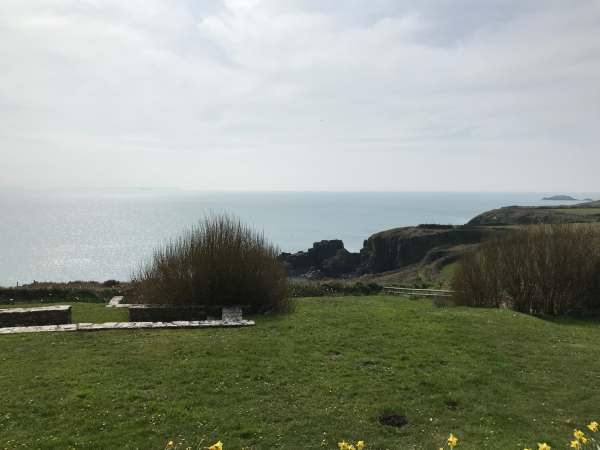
[301,94]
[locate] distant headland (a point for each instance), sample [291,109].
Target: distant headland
[566,198]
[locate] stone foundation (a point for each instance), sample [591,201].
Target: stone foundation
[46,315]
[166,313]
[128,326]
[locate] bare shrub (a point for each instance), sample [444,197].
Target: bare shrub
[220,262]
[542,269]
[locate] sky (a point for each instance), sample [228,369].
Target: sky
[458,95]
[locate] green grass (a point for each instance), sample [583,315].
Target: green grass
[447,273]
[580,211]
[322,373]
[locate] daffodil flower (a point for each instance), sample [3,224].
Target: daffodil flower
[216,446]
[593,426]
[452,441]
[343,445]
[543,446]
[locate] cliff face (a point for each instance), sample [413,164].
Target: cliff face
[400,247]
[387,250]
[325,258]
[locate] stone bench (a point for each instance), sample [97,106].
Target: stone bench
[171,313]
[45,315]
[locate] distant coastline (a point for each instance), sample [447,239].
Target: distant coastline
[102,235]
[565,198]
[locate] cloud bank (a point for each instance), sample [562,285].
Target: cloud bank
[301,94]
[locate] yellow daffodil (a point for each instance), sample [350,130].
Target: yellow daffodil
[360,445]
[170,445]
[575,444]
[580,436]
[543,446]
[216,446]
[343,445]
[452,441]
[593,426]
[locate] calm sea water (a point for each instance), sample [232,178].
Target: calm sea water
[100,235]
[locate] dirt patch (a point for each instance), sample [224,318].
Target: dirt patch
[452,405]
[334,355]
[392,420]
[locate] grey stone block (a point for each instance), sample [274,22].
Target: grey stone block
[46,315]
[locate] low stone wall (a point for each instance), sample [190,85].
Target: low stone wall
[47,315]
[166,313]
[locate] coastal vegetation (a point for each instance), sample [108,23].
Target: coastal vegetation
[326,373]
[84,291]
[539,269]
[220,262]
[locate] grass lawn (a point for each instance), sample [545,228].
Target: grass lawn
[306,380]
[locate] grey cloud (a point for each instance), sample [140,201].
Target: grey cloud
[225,94]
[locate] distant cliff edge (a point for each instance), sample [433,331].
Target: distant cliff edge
[429,245]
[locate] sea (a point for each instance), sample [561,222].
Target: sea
[102,234]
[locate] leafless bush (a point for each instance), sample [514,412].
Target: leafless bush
[544,269]
[220,262]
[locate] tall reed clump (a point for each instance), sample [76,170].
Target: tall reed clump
[541,269]
[220,262]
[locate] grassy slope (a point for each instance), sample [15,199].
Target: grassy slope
[581,211]
[323,372]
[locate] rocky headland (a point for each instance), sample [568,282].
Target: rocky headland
[529,215]
[564,198]
[429,246]
[387,251]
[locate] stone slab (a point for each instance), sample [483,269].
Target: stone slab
[117,302]
[231,314]
[127,326]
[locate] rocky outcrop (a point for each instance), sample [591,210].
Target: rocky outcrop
[388,250]
[401,247]
[325,258]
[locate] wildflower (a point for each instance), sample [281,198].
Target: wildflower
[593,426]
[580,436]
[544,446]
[452,441]
[170,445]
[360,445]
[575,444]
[216,446]
[343,445]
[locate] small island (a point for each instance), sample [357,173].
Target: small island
[561,198]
